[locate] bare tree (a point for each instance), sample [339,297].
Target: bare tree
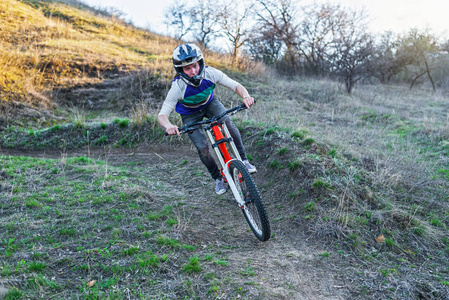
[232,19]
[280,18]
[118,16]
[265,47]
[317,34]
[196,19]
[385,61]
[177,16]
[421,49]
[352,48]
[204,21]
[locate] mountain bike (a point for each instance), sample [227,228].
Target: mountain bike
[234,172]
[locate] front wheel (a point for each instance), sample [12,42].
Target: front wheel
[253,209]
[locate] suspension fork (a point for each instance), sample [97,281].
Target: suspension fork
[221,140]
[234,148]
[225,164]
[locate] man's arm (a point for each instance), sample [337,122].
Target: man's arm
[242,92]
[169,127]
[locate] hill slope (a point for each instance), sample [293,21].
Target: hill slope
[47,45]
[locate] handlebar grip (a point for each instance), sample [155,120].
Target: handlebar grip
[243,106]
[181,130]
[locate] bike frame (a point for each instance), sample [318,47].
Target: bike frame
[218,141]
[219,137]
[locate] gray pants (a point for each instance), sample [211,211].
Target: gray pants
[199,139]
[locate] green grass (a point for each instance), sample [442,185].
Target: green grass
[325,254]
[300,134]
[166,212]
[117,225]
[37,266]
[130,251]
[332,152]
[148,260]
[122,123]
[275,164]
[13,294]
[295,165]
[166,241]
[248,271]
[283,151]
[320,184]
[192,266]
[85,213]
[221,262]
[309,206]
[308,141]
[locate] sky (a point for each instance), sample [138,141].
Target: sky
[395,15]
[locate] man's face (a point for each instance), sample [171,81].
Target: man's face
[191,70]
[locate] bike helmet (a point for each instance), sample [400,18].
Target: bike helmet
[185,55]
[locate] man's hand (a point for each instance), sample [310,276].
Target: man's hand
[248,101]
[169,127]
[172,130]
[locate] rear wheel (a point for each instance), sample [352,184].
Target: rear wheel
[253,209]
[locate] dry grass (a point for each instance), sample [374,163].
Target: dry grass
[53,44]
[396,137]
[49,45]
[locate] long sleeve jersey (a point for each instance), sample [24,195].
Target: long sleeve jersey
[186,99]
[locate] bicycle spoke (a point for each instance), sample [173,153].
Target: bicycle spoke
[253,208]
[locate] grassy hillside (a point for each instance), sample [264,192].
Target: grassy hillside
[96,203]
[51,48]
[46,45]
[356,188]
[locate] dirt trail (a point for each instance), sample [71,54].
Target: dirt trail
[288,266]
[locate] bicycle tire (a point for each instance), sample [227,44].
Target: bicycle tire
[253,210]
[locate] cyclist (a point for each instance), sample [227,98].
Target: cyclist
[192,96]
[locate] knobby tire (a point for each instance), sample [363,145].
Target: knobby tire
[253,209]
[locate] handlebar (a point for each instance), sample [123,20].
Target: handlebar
[188,128]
